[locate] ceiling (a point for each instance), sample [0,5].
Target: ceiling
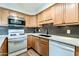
[27,8]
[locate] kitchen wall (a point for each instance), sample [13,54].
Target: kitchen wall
[3,30]
[74,29]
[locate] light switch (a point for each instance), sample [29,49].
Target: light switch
[68,31]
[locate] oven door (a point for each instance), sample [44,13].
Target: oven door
[16,46]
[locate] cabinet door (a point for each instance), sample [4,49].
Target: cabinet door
[29,42]
[44,15]
[13,13]
[33,21]
[4,48]
[5,15]
[27,21]
[71,13]
[52,11]
[44,47]
[58,14]
[39,19]
[76,51]
[20,15]
[37,45]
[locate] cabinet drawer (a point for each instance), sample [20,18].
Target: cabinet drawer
[44,41]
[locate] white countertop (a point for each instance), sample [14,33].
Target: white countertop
[67,40]
[2,38]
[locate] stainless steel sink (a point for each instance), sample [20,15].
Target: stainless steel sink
[45,35]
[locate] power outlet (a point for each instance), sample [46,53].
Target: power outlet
[68,31]
[39,30]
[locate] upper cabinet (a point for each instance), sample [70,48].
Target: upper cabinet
[13,13]
[27,21]
[39,19]
[20,15]
[45,17]
[71,13]
[59,14]
[17,14]
[4,14]
[31,21]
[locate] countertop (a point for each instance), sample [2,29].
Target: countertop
[2,38]
[67,40]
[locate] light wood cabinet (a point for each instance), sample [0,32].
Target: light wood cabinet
[44,47]
[37,44]
[71,13]
[4,48]
[40,45]
[45,17]
[59,14]
[27,21]
[4,14]
[21,15]
[39,20]
[30,42]
[13,13]
[16,14]
[76,51]
[31,21]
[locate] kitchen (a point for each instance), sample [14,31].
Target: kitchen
[39,29]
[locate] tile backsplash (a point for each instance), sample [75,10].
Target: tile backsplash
[3,30]
[30,30]
[74,29]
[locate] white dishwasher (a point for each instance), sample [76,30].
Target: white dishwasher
[60,49]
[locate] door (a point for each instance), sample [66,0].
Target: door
[71,13]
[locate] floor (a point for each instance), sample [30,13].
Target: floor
[30,52]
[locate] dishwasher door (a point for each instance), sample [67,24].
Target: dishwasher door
[60,49]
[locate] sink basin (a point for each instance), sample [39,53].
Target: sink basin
[45,35]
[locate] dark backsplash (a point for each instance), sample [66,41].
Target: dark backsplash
[31,30]
[3,30]
[60,30]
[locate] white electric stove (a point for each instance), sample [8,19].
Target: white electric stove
[17,41]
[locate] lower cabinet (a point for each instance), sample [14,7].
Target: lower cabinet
[40,45]
[4,48]
[44,47]
[37,44]
[30,42]
[76,51]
